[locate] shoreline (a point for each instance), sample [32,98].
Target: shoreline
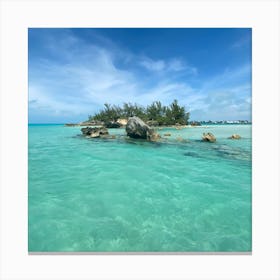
[155,127]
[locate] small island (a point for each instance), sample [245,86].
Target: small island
[142,122]
[156,114]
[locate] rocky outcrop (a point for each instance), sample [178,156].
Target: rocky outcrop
[86,123]
[208,137]
[136,128]
[91,123]
[95,132]
[235,136]
[112,124]
[122,122]
[152,123]
[71,124]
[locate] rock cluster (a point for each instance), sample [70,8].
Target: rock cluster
[95,132]
[208,137]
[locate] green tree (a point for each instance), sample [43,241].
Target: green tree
[177,113]
[163,115]
[130,110]
[113,113]
[154,111]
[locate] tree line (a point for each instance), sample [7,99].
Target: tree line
[156,113]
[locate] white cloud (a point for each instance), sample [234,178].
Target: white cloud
[88,77]
[43,102]
[231,103]
[153,65]
[178,65]
[171,65]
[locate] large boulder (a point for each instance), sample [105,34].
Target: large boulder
[208,137]
[95,132]
[136,128]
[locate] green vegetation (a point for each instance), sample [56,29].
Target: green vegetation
[155,113]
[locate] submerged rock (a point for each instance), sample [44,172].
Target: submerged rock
[235,136]
[154,137]
[232,152]
[191,154]
[208,137]
[182,140]
[167,134]
[95,132]
[136,128]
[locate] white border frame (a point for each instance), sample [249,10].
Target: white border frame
[17,16]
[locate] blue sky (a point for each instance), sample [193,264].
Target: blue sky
[73,72]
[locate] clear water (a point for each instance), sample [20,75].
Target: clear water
[91,195]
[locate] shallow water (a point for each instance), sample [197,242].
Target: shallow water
[97,195]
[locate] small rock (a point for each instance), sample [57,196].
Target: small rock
[94,135]
[154,137]
[208,137]
[235,136]
[167,134]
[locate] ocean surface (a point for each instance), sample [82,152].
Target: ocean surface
[96,195]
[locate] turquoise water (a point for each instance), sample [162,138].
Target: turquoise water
[95,195]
